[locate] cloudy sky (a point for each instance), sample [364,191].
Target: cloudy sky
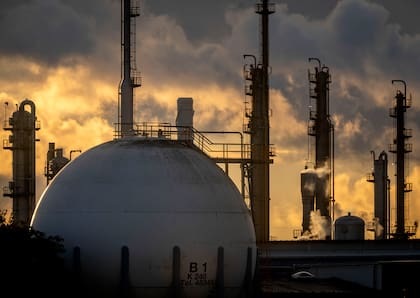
[65,56]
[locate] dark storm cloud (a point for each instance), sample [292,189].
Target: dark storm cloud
[203,21]
[310,8]
[351,35]
[109,112]
[357,25]
[370,132]
[213,118]
[297,94]
[150,109]
[400,12]
[189,66]
[216,118]
[48,30]
[364,49]
[167,56]
[403,13]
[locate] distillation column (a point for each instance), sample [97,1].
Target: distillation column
[55,161]
[258,171]
[260,141]
[321,128]
[23,125]
[400,148]
[381,195]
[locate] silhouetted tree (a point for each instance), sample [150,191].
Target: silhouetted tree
[30,261]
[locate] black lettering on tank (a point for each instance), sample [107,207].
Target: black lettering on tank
[193,267]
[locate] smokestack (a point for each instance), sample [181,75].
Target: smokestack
[184,119]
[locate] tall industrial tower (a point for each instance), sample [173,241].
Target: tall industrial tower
[23,125]
[130,77]
[55,161]
[381,195]
[321,128]
[401,148]
[258,127]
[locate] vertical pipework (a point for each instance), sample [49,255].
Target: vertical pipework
[400,164]
[126,85]
[323,143]
[264,38]
[50,157]
[383,203]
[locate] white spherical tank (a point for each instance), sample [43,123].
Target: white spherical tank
[150,195]
[349,227]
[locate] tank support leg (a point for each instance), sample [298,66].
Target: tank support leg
[125,272]
[248,275]
[77,269]
[176,272]
[220,273]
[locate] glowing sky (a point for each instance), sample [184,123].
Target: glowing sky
[65,56]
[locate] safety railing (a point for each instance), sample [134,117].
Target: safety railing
[219,146]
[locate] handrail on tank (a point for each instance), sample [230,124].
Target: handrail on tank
[198,138]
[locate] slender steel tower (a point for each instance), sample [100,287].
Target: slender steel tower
[400,148]
[321,128]
[258,127]
[23,125]
[130,77]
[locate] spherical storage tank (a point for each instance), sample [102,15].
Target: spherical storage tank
[349,227]
[159,210]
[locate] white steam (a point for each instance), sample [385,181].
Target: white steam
[319,226]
